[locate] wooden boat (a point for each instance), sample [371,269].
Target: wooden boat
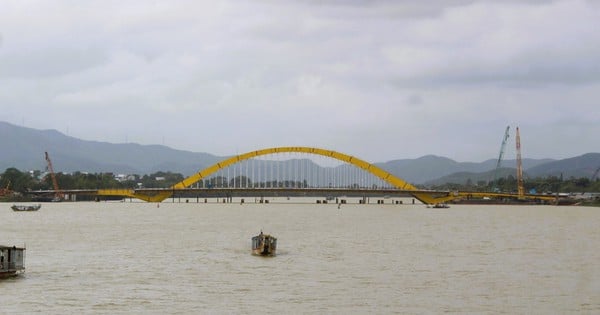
[26,207]
[439,206]
[264,245]
[12,261]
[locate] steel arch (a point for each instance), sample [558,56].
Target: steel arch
[376,171]
[395,181]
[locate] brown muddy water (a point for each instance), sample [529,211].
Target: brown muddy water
[190,258]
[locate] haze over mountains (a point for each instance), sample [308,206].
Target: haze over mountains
[23,148]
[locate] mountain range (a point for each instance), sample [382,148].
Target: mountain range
[23,148]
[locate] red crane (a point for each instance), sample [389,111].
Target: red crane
[6,191]
[58,194]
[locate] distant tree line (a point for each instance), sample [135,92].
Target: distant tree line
[13,180]
[539,185]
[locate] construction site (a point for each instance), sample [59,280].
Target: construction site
[243,176]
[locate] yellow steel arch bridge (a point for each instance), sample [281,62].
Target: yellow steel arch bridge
[425,196]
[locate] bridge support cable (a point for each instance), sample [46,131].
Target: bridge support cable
[338,176]
[293,171]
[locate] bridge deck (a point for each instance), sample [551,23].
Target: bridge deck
[440,196]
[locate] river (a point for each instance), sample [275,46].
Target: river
[194,258]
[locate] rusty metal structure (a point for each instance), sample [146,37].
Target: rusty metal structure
[58,193]
[520,189]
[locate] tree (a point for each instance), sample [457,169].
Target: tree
[17,180]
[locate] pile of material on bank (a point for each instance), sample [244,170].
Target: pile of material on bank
[26,207]
[12,261]
[264,245]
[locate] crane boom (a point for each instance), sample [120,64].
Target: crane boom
[58,194]
[502,146]
[596,174]
[520,190]
[6,191]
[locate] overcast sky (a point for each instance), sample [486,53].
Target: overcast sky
[380,80]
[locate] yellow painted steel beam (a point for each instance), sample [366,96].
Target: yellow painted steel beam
[154,197]
[116,192]
[396,182]
[466,194]
[425,197]
[376,171]
[429,198]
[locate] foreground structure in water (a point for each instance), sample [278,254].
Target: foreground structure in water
[12,261]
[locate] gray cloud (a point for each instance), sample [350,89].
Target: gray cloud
[376,79]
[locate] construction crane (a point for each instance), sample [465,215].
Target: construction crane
[6,191]
[520,190]
[595,174]
[499,162]
[58,194]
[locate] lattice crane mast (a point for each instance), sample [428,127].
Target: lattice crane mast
[596,174]
[58,194]
[499,162]
[520,190]
[6,191]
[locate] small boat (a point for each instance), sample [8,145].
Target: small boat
[12,261]
[264,245]
[439,206]
[26,207]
